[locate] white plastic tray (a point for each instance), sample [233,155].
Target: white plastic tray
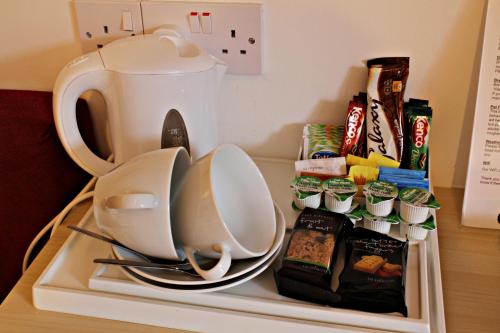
[255,305]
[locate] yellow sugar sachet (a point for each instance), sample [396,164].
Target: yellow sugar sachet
[383,161]
[360,175]
[356,160]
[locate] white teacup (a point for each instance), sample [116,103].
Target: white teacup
[132,203]
[224,210]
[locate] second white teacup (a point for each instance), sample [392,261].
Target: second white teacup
[224,210]
[132,203]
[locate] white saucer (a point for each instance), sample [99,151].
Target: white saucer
[203,288]
[239,268]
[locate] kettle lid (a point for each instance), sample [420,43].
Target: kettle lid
[155,54]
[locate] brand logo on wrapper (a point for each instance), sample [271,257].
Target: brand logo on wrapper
[376,135]
[353,124]
[419,133]
[323,154]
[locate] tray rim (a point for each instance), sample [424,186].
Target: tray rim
[102,283]
[98,304]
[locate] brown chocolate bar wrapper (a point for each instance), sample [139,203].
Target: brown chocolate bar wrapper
[352,142]
[386,85]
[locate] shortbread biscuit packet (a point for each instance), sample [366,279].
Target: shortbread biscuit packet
[373,278]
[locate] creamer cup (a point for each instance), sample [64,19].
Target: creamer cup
[378,223]
[417,231]
[415,204]
[338,194]
[380,197]
[307,192]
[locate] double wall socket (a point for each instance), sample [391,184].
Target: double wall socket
[101,22]
[235,35]
[229,31]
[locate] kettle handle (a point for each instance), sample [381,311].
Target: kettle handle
[83,73]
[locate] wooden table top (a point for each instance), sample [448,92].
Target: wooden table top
[470,266]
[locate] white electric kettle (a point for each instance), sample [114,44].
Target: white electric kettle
[160,91]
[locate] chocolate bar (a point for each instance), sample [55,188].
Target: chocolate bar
[386,85]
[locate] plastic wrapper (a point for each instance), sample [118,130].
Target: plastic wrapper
[309,258]
[386,85]
[322,168]
[373,278]
[322,141]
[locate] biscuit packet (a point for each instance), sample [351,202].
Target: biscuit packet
[373,278]
[310,253]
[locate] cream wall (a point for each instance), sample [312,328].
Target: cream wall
[314,52]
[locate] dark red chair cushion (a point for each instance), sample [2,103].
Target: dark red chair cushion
[37,176]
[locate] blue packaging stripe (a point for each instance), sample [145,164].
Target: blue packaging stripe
[406,173]
[402,182]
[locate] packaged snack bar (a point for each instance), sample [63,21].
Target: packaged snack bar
[310,253]
[418,120]
[322,168]
[352,141]
[386,85]
[373,278]
[322,141]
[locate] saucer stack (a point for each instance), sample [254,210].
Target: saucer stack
[239,272]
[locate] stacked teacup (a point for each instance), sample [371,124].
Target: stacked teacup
[159,204]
